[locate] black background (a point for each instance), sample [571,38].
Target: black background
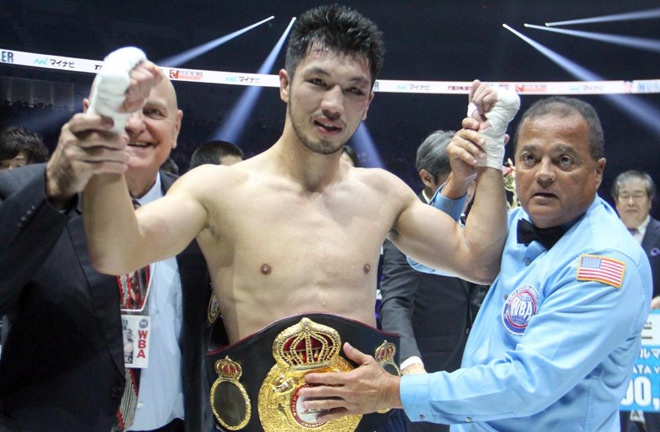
[437,40]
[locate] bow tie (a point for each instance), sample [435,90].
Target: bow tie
[527,233]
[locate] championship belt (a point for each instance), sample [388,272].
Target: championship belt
[255,383]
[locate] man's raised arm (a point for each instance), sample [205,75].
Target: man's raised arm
[476,150]
[117,241]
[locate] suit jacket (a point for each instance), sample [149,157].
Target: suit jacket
[432,313]
[62,361]
[651,245]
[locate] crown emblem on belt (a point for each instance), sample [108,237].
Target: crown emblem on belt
[307,345]
[227,391]
[303,347]
[385,352]
[228,368]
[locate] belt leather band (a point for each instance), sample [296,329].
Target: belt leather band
[255,382]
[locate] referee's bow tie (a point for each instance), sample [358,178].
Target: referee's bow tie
[527,233]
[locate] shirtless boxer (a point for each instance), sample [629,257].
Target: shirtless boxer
[291,230]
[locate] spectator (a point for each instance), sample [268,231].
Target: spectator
[63,365]
[216,152]
[20,147]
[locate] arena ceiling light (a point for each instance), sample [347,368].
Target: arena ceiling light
[629,16]
[634,107]
[232,129]
[365,147]
[179,59]
[633,42]
[566,64]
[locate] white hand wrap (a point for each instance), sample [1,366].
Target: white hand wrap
[499,116]
[111,84]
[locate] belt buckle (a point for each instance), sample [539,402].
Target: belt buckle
[300,349]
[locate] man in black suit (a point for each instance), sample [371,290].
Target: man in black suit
[62,365]
[432,314]
[633,193]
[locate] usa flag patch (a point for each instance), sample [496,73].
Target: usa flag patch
[601,269]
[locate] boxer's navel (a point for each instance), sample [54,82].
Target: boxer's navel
[366,269]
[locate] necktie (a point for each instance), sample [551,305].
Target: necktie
[133,286]
[133,294]
[527,233]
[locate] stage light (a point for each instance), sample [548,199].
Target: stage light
[364,146]
[634,42]
[179,59]
[46,120]
[232,129]
[566,64]
[637,109]
[639,15]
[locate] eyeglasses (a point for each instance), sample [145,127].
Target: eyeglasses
[636,196]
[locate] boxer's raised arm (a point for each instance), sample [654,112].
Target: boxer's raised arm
[121,239]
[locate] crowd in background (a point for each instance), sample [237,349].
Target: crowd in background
[198,127]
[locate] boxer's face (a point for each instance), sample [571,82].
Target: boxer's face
[327,99]
[556,176]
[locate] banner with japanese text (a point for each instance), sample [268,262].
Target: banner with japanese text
[644,389]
